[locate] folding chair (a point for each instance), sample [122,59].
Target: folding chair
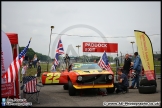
[31,88]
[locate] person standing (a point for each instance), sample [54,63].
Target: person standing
[35,61]
[67,60]
[53,67]
[30,63]
[136,70]
[23,71]
[95,61]
[26,60]
[127,65]
[39,72]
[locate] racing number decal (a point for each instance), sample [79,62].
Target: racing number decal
[48,78]
[52,78]
[56,77]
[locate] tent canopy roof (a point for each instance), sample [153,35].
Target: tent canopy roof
[13,37]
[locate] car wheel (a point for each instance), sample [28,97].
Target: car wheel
[110,90]
[65,87]
[145,82]
[147,89]
[72,90]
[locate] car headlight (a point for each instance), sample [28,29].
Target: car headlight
[79,78]
[110,77]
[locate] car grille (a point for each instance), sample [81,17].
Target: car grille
[95,79]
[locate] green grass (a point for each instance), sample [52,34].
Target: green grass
[33,71]
[157,68]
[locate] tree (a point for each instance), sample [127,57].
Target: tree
[31,52]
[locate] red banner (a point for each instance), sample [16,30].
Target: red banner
[7,89]
[100,47]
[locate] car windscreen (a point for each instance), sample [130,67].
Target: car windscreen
[86,67]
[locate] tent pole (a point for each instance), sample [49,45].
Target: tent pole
[18,74]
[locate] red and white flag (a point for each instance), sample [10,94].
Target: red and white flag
[30,84]
[104,63]
[59,51]
[14,67]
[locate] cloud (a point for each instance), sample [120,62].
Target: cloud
[131,39]
[62,9]
[35,22]
[110,38]
[35,31]
[33,19]
[155,40]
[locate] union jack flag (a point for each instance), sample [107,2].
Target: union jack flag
[104,63]
[14,67]
[59,51]
[29,84]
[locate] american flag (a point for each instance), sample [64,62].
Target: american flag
[104,63]
[59,51]
[14,67]
[29,84]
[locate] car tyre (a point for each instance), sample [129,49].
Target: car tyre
[145,82]
[110,90]
[147,89]
[65,87]
[72,90]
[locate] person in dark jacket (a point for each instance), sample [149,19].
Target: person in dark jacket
[67,60]
[122,85]
[26,60]
[137,70]
[127,65]
[39,72]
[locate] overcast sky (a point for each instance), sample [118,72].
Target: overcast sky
[109,19]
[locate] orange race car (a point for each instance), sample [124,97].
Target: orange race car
[81,76]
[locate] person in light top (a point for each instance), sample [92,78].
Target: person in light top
[53,68]
[23,71]
[35,61]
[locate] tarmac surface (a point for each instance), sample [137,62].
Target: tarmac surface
[56,96]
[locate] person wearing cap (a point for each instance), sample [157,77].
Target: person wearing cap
[122,84]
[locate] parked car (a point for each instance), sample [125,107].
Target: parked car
[81,76]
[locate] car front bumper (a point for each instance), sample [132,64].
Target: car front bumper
[93,86]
